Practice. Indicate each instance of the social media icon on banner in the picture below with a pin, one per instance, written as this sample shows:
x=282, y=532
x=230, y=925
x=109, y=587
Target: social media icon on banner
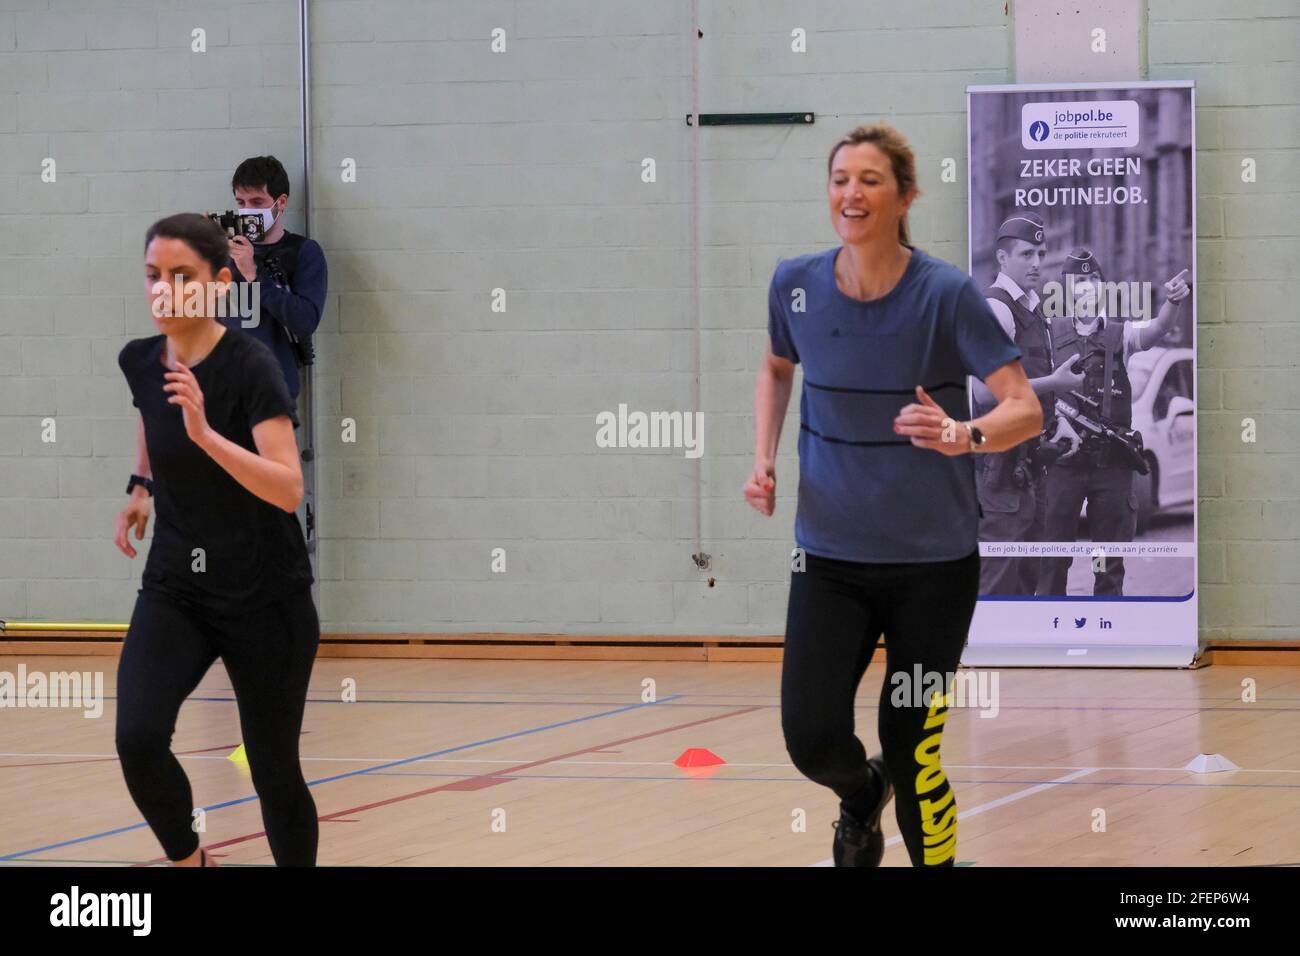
x=1080, y=621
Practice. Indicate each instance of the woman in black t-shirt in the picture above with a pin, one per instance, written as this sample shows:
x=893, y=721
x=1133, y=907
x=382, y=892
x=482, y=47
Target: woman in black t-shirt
x=227, y=574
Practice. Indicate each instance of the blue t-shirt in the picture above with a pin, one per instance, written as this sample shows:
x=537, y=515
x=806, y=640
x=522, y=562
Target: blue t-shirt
x=867, y=493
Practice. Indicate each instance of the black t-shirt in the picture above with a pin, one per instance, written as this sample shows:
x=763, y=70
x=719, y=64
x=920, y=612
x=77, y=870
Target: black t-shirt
x=253, y=551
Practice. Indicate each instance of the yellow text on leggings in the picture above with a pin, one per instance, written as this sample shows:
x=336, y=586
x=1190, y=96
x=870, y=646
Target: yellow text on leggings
x=938, y=817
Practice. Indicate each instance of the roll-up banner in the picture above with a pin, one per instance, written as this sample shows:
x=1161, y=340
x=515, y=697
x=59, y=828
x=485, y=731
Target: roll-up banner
x=1082, y=218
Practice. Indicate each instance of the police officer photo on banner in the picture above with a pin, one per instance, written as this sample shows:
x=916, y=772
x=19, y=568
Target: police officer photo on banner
x=1082, y=236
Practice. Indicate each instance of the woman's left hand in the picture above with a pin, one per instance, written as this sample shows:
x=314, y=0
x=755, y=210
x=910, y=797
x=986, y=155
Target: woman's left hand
x=187, y=394
x=929, y=426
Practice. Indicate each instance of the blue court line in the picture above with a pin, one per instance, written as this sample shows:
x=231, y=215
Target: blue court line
x=477, y=703
x=357, y=773
x=489, y=693
x=474, y=703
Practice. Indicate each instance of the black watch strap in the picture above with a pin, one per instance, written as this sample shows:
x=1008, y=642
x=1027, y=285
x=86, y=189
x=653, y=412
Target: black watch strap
x=139, y=480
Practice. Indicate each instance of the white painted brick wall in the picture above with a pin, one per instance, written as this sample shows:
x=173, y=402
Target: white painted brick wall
x=522, y=171
x=140, y=127
x=1243, y=57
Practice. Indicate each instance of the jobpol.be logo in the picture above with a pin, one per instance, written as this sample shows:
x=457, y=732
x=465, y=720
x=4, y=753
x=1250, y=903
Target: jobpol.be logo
x=1109, y=124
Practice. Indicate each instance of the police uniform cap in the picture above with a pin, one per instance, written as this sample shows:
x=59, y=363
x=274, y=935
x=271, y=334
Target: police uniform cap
x=1027, y=226
x=1081, y=262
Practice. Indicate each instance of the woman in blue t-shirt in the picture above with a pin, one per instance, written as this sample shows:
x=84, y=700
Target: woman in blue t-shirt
x=888, y=515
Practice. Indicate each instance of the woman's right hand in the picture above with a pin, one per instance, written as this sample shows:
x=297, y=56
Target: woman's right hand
x=760, y=489
x=134, y=515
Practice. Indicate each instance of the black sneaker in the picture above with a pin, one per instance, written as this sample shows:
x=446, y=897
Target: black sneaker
x=861, y=842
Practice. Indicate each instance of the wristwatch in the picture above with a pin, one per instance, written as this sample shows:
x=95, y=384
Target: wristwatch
x=976, y=436
x=140, y=480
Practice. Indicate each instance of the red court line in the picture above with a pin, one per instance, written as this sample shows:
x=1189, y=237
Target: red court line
x=494, y=777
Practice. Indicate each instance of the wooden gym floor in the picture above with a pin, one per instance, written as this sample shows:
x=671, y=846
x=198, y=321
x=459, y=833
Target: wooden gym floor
x=466, y=762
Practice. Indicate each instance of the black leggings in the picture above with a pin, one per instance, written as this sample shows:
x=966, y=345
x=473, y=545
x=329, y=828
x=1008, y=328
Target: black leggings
x=837, y=611
x=268, y=654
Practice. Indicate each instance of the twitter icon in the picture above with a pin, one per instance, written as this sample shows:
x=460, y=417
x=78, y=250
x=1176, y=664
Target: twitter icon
x=1080, y=621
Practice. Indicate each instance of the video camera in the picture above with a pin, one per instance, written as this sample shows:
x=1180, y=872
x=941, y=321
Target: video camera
x=235, y=224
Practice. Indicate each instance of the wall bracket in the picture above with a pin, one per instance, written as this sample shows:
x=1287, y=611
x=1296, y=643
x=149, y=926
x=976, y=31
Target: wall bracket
x=751, y=119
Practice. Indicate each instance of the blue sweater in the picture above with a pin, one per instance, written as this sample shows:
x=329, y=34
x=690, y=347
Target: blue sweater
x=298, y=309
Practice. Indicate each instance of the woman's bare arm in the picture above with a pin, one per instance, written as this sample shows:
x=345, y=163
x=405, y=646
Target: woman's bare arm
x=771, y=399
x=273, y=472
x=1018, y=415
x=141, y=455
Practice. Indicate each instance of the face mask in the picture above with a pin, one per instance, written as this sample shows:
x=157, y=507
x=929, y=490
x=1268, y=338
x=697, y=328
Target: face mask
x=268, y=217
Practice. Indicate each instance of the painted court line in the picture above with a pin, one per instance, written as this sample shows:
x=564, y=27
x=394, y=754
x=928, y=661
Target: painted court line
x=991, y=805
x=545, y=760
x=352, y=773
x=705, y=776
x=759, y=696
x=664, y=701
x=224, y=750
x=1191, y=707
x=223, y=755
x=483, y=781
x=717, y=775
x=1173, y=702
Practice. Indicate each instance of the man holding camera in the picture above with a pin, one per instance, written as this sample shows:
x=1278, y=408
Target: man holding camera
x=289, y=269
x=1098, y=467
